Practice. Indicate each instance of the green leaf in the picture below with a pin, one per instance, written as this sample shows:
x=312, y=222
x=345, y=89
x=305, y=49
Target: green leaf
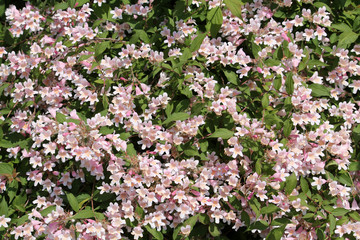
x=61, y=118
x=214, y=230
x=3, y=86
x=320, y=234
x=156, y=234
x=6, y=168
x=280, y=221
x=339, y=212
x=287, y=127
x=191, y=152
x=204, y=218
x=142, y=35
x=72, y=201
x=130, y=150
x=353, y=215
x=255, y=205
x=345, y=178
x=62, y=6
x=291, y=182
x=234, y=6
x=265, y=100
x=316, y=63
x=332, y=222
x=276, y=233
x=231, y=76
x=175, y=117
x=354, y=166
x=12, y=190
x=19, y=202
x=277, y=82
x=270, y=62
x=255, y=49
x=71, y=3
x=347, y=38
x=196, y=43
x=261, y=225
x=186, y=54
x=84, y=57
x=106, y=130
x=222, y=133
x=101, y=47
x=4, y=207
x=85, y=213
x=140, y=211
x=235, y=202
x=289, y=83
x=105, y=101
x=342, y=27
x=190, y=221
x=2, y=9
x=47, y=210
x=305, y=186
x=269, y=209
x=215, y=17
x=81, y=2
x=272, y=119
x=22, y=220
x=245, y=217
x=319, y=90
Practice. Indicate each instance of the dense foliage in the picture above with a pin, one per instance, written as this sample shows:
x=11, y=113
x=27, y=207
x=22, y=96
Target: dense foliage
x=186, y=119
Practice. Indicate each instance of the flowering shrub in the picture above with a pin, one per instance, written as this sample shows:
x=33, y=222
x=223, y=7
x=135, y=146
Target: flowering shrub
x=180, y=120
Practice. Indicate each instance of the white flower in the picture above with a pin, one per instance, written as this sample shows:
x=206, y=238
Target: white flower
x=4, y=221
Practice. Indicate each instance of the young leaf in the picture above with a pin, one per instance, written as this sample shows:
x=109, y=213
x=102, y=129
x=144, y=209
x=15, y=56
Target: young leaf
x=4, y=207
x=277, y=82
x=62, y=5
x=318, y=90
x=214, y=230
x=6, y=168
x=231, y=76
x=234, y=6
x=289, y=83
x=269, y=209
x=261, y=225
x=61, y=118
x=291, y=182
x=72, y=201
x=304, y=186
x=320, y=234
x=222, y=133
x=101, y=47
x=86, y=213
x=339, y=212
x=190, y=221
x=175, y=117
x=354, y=166
x=215, y=17
x=156, y=234
x=195, y=45
x=276, y=233
x=265, y=100
x=287, y=127
x=332, y=221
x=47, y=210
x=347, y=38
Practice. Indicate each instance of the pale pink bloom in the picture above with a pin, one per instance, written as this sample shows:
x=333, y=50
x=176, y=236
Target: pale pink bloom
x=4, y=221
x=186, y=230
x=99, y=2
